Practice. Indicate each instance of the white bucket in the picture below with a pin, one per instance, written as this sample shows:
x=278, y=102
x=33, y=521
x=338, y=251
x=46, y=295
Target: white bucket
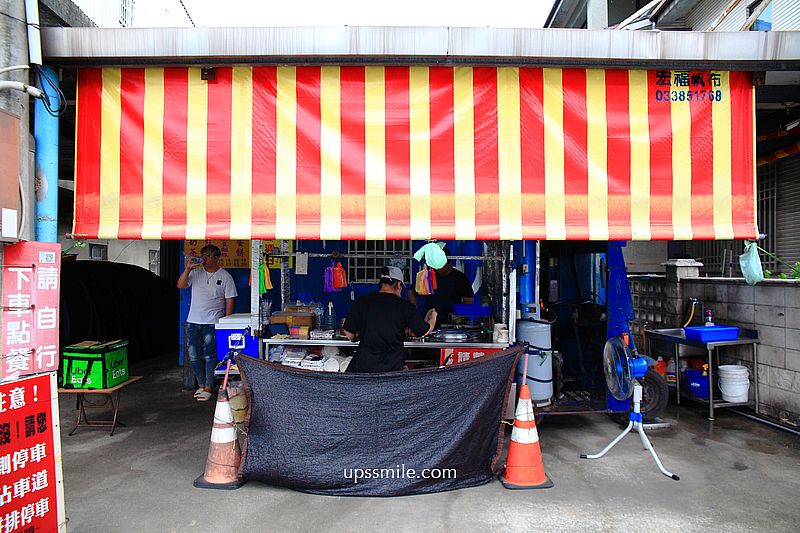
x=733, y=370
x=734, y=383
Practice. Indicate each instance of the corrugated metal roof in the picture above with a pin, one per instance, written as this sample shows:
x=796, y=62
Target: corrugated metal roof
x=705, y=13
x=785, y=15
x=350, y=44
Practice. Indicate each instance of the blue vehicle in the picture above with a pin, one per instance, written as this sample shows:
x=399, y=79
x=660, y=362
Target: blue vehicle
x=585, y=297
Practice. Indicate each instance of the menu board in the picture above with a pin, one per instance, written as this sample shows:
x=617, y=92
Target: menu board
x=235, y=254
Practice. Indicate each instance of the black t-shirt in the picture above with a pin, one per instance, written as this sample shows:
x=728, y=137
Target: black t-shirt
x=450, y=289
x=380, y=319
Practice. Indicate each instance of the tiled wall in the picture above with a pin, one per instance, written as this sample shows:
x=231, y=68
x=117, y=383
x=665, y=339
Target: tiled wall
x=771, y=307
x=655, y=304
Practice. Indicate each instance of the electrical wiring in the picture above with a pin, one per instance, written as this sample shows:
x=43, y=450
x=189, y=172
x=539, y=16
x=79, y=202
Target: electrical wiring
x=23, y=203
x=14, y=67
x=41, y=78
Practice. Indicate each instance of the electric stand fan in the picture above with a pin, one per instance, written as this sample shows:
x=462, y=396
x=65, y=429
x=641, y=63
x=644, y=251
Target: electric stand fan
x=622, y=372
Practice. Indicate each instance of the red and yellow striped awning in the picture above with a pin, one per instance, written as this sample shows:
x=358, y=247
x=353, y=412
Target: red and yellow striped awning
x=399, y=152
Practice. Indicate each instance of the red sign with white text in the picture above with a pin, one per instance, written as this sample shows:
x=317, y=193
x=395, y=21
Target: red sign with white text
x=453, y=356
x=28, y=476
x=31, y=279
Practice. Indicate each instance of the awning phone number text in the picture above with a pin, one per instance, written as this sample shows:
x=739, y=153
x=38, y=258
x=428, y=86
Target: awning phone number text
x=688, y=96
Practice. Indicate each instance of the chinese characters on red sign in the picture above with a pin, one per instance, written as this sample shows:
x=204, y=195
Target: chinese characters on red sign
x=30, y=308
x=270, y=247
x=235, y=254
x=28, y=477
x=453, y=356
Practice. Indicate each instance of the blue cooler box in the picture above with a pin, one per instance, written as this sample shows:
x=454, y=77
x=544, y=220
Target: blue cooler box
x=231, y=335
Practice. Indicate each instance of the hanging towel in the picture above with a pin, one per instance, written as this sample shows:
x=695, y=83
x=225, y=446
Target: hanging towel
x=264, y=280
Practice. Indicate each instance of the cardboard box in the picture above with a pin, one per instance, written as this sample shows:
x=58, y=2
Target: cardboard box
x=94, y=365
x=296, y=318
x=299, y=308
x=462, y=355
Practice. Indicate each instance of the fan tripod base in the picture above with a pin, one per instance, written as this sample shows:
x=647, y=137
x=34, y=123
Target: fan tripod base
x=635, y=422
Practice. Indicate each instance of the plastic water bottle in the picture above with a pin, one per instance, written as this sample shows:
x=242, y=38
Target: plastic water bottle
x=330, y=317
x=319, y=312
x=265, y=309
x=671, y=371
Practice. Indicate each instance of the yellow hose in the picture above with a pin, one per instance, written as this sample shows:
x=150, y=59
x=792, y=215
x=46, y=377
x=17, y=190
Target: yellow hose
x=691, y=315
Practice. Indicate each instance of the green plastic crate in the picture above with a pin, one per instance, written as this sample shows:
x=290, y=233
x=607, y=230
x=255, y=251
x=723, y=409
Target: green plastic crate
x=94, y=365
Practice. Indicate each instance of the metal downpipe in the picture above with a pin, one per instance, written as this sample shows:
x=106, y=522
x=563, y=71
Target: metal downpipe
x=45, y=181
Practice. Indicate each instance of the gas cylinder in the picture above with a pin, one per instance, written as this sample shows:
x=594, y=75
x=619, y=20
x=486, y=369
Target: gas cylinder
x=540, y=359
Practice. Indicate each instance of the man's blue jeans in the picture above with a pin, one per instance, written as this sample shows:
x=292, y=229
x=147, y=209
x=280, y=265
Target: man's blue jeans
x=203, y=352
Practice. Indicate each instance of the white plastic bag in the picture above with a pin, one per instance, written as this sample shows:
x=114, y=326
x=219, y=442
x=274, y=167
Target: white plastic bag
x=750, y=264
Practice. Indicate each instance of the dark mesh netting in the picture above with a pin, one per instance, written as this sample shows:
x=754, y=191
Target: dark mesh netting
x=385, y=434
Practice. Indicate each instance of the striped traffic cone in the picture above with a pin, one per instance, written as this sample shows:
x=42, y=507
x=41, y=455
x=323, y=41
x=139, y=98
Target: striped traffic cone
x=524, y=468
x=224, y=457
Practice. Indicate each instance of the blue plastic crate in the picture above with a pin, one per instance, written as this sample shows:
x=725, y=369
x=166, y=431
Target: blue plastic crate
x=472, y=310
x=712, y=333
x=696, y=383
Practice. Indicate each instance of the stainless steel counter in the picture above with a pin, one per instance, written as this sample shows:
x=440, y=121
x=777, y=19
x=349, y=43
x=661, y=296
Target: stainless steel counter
x=677, y=336
x=407, y=344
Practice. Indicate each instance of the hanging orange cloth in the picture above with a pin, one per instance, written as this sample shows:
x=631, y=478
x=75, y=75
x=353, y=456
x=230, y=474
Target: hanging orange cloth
x=264, y=280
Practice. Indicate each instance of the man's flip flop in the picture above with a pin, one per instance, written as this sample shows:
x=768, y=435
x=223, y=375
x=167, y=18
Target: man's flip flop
x=204, y=396
x=197, y=392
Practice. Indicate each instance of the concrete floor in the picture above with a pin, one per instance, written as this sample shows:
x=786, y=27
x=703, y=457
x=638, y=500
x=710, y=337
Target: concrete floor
x=736, y=475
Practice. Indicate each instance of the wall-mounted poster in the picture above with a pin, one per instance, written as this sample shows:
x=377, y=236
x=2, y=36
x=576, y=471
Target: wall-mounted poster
x=31, y=488
x=31, y=278
x=270, y=247
x=235, y=254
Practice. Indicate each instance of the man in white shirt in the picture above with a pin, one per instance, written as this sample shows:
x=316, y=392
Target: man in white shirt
x=213, y=293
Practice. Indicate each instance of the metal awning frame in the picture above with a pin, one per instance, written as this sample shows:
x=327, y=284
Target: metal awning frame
x=358, y=45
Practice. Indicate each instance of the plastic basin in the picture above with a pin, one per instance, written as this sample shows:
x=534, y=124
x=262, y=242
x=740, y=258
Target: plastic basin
x=712, y=333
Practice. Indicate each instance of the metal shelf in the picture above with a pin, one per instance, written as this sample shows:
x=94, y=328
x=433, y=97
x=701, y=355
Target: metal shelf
x=719, y=404
x=677, y=337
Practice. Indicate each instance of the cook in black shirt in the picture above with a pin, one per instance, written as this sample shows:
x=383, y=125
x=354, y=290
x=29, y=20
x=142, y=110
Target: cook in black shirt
x=452, y=287
x=379, y=321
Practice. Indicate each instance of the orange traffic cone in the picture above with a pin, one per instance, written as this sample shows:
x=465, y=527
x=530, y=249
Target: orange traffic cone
x=222, y=466
x=524, y=468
